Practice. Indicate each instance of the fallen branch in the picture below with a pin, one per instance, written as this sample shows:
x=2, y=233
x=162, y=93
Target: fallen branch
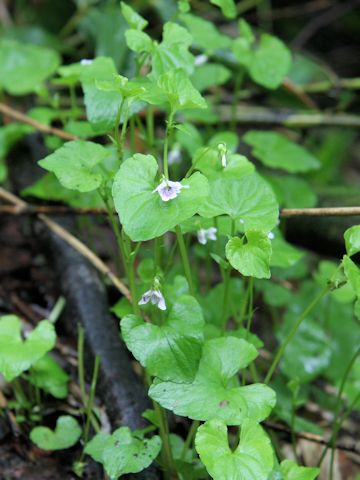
x=21, y=117
x=20, y=205
x=247, y=115
x=31, y=209
x=311, y=437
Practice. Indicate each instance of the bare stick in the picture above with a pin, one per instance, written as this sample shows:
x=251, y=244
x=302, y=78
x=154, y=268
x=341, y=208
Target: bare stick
x=21, y=117
x=24, y=208
x=311, y=437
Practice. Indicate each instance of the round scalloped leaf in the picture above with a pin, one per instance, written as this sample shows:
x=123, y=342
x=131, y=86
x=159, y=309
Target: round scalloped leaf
x=18, y=355
x=252, y=459
x=143, y=214
x=291, y=471
x=66, y=434
x=213, y=393
x=241, y=195
x=270, y=62
x=24, y=67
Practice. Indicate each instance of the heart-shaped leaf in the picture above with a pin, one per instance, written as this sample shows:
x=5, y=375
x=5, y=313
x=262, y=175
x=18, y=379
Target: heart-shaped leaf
x=250, y=257
x=213, y=393
x=244, y=196
x=171, y=351
x=123, y=452
x=75, y=165
x=133, y=19
x=228, y=7
x=276, y=151
x=48, y=375
x=252, y=459
x=16, y=355
x=352, y=240
x=143, y=214
x=66, y=434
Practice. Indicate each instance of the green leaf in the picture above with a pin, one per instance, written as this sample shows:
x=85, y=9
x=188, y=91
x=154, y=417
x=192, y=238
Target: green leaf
x=352, y=240
x=173, y=52
x=241, y=196
x=65, y=435
x=275, y=294
x=49, y=188
x=17, y=355
x=352, y=273
x=179, y=91
x=76, y=165
x=270, y=62
x=276, y=151
x=251, y=258
x=204, y=33
x=210, y=75
x=171, y=351
x=24, y=68
x=48, y=375
x=138, y=41
x=143, y=214
x=214, y=392
x=133, y=19
x=101, y=106
x=123, y=452
x=291, y=471
x=228, y=7
x=253, y=458
x=208, y=161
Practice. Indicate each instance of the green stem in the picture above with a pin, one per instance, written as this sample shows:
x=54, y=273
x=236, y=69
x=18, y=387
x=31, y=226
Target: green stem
x=117, y=232
x=117, y=134
x=81, y=370
x=332, y=441
x=250, y=307
x=189, y=438
x=185, y=259
x=166, y=144
x=90, y=402
x=57, y=310
x=150, y=127
x=293, y=331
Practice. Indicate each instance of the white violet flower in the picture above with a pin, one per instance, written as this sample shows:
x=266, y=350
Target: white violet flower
x=155, y=297
x=200, y=59
x=169, y=190
x=86, y=61
x=271, y=236
x=205, y=234
x=222, y=152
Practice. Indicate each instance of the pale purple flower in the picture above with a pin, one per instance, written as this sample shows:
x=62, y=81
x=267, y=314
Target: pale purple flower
x=201, y=59
x=169, y=190
x=205, y=234
x=86, y=61
x=271, y=236
x=155, y=297
x=241, y=220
